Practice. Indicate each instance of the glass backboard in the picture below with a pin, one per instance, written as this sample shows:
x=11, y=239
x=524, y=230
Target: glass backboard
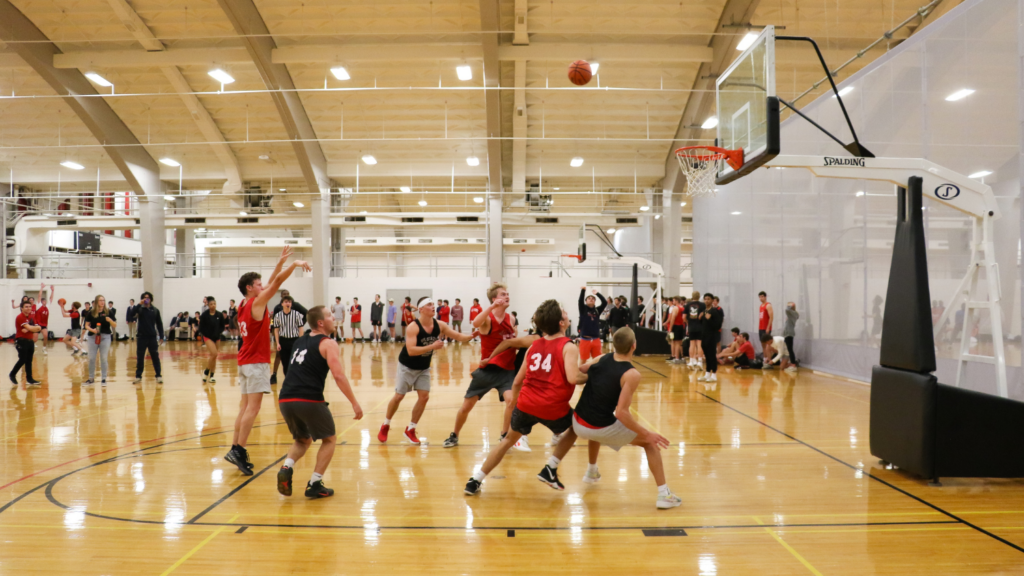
x=748, y=111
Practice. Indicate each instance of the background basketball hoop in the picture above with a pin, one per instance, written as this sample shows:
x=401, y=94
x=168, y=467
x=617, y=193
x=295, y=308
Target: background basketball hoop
x=701, y=165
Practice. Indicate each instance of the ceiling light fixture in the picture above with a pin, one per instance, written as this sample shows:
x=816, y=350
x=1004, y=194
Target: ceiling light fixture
x=611, y=230
x=221, y=76
x=576, y=162
x=746, y=41
x=710, y=123
x=340, y=73
x=369, y=159
x=645, y=208
x=282, y=189
x=243, y=213
x=473, y=161
x=844, y=91
x=169, y=198
x=860, y=193
x=681, y=204
x=422, y=202
x=72, y=165
x=97, y=79
x=478, y=199
x=405, y=189
x=736, y=213
x=364, y=212
x=298, y=204
x=959, y=95
x=657, y=216
x=980, y=174
x=557, y=188
x=170, y=162
x=464, y=72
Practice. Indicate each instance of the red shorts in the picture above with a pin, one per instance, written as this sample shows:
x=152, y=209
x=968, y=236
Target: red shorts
x=590, y=349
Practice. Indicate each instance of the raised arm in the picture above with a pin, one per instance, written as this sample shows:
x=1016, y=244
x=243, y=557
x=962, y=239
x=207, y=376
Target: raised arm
x=630, y=380
x=286, y=253
x=481, y=322
x=259, y=304
x=603, y=303
x=447, y=331
x=329, y=350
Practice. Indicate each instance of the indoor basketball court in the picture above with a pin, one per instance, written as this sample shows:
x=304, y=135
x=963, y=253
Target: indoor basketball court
x=743, y=278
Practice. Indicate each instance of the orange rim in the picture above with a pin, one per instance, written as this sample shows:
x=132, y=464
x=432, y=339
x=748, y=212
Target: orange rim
x=732, y=157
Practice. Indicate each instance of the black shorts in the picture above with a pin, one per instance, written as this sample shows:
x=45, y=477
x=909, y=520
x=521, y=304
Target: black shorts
x=374, y=322
x=678, y=333
x=490, y=377
x=523, y=422
x=308, y=419
x=694, y=333
x=391, y=324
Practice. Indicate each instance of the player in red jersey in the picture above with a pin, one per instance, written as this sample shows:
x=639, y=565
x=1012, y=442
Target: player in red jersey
x=254, y=355
x=541, y=395
x=475, y=311
x=43, y=315
x=494, y=326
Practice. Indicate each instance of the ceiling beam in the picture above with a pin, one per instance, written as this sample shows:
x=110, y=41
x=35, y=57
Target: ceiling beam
x=702, y=100
x=343, y=54
x=137, y=167
x=489, y=22
x=200, y=115
x=253, y=31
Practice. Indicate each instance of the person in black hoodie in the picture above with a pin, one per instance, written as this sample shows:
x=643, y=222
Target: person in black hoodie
x=149, y=331
x=590, y=323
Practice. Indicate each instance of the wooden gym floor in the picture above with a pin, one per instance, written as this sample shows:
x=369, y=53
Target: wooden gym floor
x=774, y=471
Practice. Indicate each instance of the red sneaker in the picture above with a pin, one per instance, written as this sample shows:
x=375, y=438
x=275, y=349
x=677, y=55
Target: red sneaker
x=383, y=434
x=411, y=435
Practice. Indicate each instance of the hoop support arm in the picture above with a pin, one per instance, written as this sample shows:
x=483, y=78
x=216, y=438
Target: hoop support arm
x=940, y=184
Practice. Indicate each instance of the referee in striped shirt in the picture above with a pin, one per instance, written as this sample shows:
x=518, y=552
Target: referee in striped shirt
x=287, y=329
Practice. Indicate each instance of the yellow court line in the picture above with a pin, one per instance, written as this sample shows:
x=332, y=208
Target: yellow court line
x=641, y=416
x=197, y=548
x=365, y=413
x=790, y=548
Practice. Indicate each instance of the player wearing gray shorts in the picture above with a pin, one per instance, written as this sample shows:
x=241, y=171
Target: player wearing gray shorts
x=422, y=337
x=602, y=414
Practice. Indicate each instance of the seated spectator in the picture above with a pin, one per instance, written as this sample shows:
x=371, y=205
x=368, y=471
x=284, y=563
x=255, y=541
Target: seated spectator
x=745, y=357
x=732, y=350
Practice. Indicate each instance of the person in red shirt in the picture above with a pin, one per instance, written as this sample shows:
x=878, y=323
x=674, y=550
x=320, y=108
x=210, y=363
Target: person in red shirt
x=474, y=311
x=407, y=315
x=541, y=394
x=495, y=325
x=444, y=312
x=25, y=341
x=74, y=335
x=355, y=313
x=43, y=315
x=254, y=354
x=765, y=315
x=745, y=352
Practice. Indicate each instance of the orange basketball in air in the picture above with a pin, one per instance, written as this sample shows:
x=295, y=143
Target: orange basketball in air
x=61, y=302
x=579, y=72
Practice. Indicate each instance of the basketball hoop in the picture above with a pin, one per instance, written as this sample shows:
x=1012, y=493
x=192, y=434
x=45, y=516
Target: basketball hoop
x=701, y=164
x=576, y=256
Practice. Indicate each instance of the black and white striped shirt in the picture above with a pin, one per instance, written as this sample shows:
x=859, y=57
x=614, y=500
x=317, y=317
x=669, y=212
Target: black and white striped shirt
x=289, y=325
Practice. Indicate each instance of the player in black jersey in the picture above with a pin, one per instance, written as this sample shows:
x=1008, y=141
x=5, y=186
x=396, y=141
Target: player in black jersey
x=422, y=337
x=212, y=324
x=302, y=401
x=602, y=414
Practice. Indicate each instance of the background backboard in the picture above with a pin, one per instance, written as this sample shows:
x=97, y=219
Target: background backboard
x=748, y=111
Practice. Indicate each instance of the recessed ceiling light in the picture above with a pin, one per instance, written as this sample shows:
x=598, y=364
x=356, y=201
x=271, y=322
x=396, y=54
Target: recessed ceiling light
x=298, y=204
x=169, y=198
x=170, y=162
x=681, y=204
x=72, y=165
x=405, y=189
x=97, y=79
x=478, y=199
x=611, y=230
x=473, y=161
x=422, y=202
x=710, y=123
x=282, y=189
x=243, y=213
x=844, y=91
x=657, y=216
x=369, y=160
x=340, y=73
x=860, y=193
x=959, y=95
x=736, y=213
x=645, y=208
x=557, y=188
x=980, y=174
x=464, y=72
x=221, y=76
x=576, y=162
x=593, y=67
x=747, y=41
x=364, y=212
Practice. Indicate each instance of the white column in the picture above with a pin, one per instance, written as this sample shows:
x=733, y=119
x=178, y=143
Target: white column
x=495, y=236
x=322, y=236
x=152, y=235
x=519, y=129
x=671, y=232
x=185, y=246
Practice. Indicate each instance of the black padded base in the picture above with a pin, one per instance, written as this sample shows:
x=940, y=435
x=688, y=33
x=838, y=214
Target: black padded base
x=978, y=435
x=902, y=425
x=651, y=342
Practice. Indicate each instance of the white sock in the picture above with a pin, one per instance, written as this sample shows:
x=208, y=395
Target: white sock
x=288, y=462
x=412, y=425
x=663, y=490
x=317, y=477
x=592, y=468
x=387, y=421
x=479, y=475
x=553, y=462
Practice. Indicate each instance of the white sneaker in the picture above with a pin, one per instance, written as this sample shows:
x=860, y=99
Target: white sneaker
x=592, y=477
x=522, y=445
x=670, y=500
x=704, y=378
x=714, y=377
x=791, y=368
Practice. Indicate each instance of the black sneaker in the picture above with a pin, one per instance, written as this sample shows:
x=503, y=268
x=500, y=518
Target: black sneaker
x=318, y=490
x=14, y=380
x=452, y=441
x=472, y=487
x=284, y=481
x=273, y=379
x=549, y=476
x=240, y=458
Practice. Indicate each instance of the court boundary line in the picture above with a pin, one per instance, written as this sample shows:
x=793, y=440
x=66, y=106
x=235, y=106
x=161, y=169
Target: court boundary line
x=852, y=467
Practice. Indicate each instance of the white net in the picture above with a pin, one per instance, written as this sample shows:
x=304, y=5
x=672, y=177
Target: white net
x=700, y=171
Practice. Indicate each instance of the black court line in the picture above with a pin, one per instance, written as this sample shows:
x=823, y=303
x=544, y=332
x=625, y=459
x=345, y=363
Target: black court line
x=511, y=533
x=665, y=532
x=235, y=490
x=852, y=467
x=242, y=529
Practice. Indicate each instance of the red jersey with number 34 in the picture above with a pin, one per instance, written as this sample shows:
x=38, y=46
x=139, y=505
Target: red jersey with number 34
x=255, y=336
x=546, y=389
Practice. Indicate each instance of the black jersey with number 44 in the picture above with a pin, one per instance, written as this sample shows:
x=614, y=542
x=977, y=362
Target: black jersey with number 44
x=308, y=371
